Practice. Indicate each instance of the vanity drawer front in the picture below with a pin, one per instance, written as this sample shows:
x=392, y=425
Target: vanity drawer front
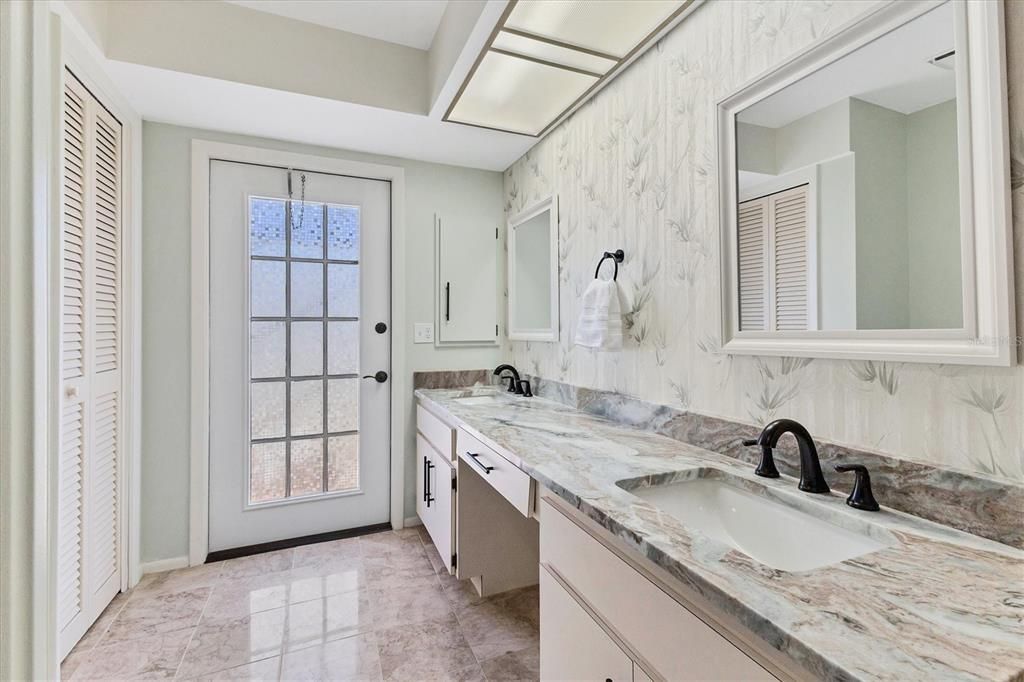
x=678, y=644
x=436, y=431
x=514, y=484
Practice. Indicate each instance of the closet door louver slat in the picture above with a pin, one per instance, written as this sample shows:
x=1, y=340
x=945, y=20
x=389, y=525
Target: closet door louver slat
x=89, y=561
x=789, y=213
x=752, y=227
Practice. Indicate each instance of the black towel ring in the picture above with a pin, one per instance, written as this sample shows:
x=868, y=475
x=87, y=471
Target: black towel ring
x=617, y=257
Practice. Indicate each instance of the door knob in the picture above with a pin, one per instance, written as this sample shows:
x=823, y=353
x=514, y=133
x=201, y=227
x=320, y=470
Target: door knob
x=380, y=377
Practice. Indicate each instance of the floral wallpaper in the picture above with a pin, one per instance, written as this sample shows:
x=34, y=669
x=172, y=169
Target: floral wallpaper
x=635, y=169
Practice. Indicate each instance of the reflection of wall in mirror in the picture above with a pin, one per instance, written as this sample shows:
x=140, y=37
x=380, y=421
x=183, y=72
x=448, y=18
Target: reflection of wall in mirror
x=533, y=273
x=888, y=214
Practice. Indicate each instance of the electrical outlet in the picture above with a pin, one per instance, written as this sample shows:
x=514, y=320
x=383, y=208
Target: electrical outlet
x=423, y=332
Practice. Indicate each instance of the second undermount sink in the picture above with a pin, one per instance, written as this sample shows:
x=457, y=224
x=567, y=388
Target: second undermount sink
x=767, y=530
x=479, y=400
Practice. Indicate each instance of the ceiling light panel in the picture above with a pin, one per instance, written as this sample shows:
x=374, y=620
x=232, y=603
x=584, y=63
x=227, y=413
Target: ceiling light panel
x=548, y=52
x=518, y=95
x=613, y=27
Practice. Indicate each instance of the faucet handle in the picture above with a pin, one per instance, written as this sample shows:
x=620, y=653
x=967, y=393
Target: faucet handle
x=861, y=496
x=766, y=467
x=525, y=384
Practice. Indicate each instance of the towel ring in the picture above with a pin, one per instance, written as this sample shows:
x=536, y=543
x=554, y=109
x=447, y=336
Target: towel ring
x=617, y=257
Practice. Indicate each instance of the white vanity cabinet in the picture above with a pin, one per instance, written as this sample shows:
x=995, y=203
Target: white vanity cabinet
x=476, y=505
x=435, y=482
x=621, y=612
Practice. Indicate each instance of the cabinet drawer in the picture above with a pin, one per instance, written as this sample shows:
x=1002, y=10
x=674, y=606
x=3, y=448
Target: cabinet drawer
x=678, y=644
x=436, y=431
x=514, y=484
x=572, y=645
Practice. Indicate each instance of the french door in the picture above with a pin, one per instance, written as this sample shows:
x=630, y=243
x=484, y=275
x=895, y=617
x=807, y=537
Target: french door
x=299, y=353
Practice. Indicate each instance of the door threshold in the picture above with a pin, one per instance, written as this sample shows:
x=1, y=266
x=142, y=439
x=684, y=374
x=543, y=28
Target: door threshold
x=264, y=547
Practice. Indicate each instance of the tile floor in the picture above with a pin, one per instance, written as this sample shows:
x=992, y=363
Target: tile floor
x=376, y=607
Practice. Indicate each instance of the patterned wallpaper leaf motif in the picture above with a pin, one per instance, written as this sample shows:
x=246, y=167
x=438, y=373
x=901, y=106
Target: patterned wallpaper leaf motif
x=635, y=169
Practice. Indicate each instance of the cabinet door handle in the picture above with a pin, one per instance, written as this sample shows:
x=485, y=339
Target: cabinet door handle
x=426, y=475
x=447, y=301
x=476, y=460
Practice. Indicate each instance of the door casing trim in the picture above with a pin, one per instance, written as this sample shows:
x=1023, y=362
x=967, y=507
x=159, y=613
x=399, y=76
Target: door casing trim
x=203, y=151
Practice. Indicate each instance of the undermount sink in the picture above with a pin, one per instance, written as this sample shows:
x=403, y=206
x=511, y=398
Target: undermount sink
x=479, y=400
x=769, y=531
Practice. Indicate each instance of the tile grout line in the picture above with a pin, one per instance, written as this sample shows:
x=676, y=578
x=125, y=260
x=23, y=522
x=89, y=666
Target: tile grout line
x=192, y=635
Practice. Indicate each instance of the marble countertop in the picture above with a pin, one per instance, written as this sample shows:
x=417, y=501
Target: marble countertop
x=937, y=604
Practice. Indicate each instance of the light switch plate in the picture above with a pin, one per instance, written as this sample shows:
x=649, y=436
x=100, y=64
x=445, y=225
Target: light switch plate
x=423, y=332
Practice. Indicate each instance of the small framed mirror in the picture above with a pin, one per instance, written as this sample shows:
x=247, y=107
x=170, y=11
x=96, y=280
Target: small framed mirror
x=865, y=194
x=533, y=273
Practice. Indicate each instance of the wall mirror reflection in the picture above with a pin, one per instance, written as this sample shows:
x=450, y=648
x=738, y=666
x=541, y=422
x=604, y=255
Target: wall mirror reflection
x=850, y=183
x=533, y=273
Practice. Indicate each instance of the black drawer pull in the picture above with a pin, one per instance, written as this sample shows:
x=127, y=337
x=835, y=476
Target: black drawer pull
x=426, y=475
x=476, y=460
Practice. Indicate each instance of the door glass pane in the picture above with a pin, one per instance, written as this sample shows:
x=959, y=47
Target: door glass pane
x=267, y=410
x=342, y=405
x=307, y=407
x=343, y=232
x=343, y=290
x=307, y=290
x=307, y=466
x=290, y=417
x=342, y=463
x=307, y=230
x=266, y=350
x=266, y=227
x=267, y=288
x=266, y=472
x=307, y=349
x=342, y=348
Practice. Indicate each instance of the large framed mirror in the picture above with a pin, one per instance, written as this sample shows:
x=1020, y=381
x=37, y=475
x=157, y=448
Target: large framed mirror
x=865, y=194
x=533, y=273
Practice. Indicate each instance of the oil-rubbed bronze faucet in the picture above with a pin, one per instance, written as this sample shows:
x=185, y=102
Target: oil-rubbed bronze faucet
x=811, y=478
x=515, y=384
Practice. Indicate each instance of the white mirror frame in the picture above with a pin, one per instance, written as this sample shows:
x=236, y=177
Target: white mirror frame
x=551, y=332
x=988, y=336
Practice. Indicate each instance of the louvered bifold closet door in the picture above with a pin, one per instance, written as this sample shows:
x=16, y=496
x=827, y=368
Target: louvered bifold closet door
x=753, y=228
x=789, y=227
x=89, y=563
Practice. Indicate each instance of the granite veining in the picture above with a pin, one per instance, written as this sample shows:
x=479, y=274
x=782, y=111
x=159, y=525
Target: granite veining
x=985, y=506
x=935, y=604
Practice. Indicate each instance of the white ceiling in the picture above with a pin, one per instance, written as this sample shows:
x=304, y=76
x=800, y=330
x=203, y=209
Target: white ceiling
x=892, y=72
x=406, y=22
x=201, y=102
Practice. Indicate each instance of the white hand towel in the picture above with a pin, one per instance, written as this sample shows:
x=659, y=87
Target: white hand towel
x=600, y=324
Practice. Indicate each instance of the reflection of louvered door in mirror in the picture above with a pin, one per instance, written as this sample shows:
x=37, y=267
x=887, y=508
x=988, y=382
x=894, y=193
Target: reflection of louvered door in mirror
x=89, y=560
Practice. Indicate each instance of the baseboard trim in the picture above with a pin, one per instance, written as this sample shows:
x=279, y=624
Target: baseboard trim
x=161, y=565
x=236, y=552
x=413, y=521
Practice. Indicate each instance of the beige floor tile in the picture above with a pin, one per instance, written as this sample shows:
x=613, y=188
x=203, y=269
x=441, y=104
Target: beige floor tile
x=148, y=615
x=427, y=651
x=266, y=670
x=519, y=665
x=460, y=593
x=151, y=657
x=418, y=601
x=390, y=542
x=348, y=548
x=352, y=658
x=222, y=644
x=179, y=580
x=257, y=564
x=71, y=662
x=95, y=633
x=396, y=570
x=327, y=619
x=434, y=557
x=500, y=625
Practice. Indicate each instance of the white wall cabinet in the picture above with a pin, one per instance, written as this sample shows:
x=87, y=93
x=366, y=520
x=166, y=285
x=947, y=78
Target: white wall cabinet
x=466, y=263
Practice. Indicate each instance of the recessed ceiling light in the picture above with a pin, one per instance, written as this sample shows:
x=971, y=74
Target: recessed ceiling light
x=546, y=57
